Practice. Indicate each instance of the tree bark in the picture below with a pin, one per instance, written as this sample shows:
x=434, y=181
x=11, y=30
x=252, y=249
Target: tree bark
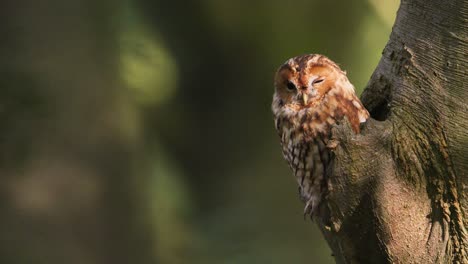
x=396, y=192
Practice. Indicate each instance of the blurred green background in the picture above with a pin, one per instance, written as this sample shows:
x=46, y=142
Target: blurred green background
x=140, y=131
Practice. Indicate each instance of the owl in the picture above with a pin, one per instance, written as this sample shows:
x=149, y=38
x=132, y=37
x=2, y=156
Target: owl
x=311, y=94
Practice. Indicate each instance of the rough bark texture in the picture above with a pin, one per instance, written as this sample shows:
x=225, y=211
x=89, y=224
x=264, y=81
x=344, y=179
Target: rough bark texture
x=397, y=189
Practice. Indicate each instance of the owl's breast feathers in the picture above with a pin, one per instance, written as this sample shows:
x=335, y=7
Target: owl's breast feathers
x=308, y=158
x=304, y=137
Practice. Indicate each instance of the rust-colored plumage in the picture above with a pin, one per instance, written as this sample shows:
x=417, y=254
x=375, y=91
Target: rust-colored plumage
x=311, y=94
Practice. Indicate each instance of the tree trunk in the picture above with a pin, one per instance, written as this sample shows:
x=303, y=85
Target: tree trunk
x=396, y=194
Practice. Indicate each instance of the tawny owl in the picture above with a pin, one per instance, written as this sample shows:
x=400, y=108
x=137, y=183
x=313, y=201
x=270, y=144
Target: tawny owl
x=311, y=94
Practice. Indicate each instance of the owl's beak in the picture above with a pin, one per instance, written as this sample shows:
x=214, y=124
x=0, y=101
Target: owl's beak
x=305, y=98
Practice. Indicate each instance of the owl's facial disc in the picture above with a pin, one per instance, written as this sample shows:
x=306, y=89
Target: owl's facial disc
x=302, y=82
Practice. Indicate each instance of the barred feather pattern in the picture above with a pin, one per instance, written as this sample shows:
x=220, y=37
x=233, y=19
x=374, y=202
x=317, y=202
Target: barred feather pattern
x=304, y=117
x=309, y=161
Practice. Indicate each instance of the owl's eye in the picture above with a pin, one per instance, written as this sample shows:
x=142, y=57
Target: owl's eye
x=317, y=81
x=290, y=86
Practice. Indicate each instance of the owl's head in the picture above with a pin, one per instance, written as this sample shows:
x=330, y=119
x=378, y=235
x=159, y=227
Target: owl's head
x=312, y=92
x=302, y=82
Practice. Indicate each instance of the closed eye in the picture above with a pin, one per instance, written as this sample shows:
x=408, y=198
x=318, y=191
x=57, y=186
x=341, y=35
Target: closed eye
x=317, y=81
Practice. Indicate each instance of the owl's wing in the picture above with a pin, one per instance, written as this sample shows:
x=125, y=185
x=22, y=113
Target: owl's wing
x=353, y=110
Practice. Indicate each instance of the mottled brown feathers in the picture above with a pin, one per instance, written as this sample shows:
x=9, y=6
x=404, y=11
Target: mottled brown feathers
x=311, y=94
